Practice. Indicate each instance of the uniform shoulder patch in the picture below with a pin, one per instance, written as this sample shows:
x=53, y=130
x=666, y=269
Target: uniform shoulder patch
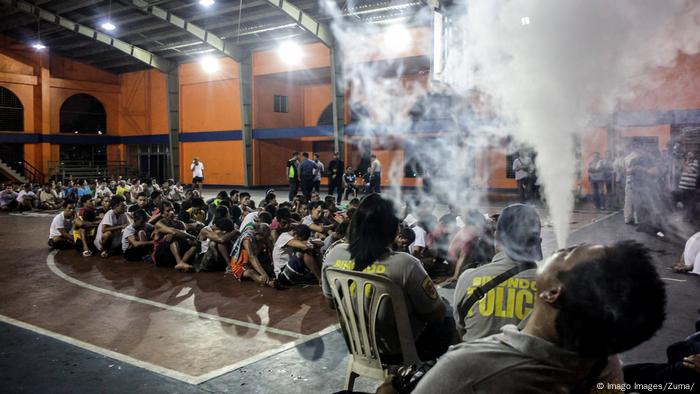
x=429, y=288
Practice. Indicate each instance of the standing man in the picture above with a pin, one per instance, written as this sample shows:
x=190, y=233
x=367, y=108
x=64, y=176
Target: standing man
x=687, y=184
x=293, y=175
x=335, y=178
x=629, y=210
x=197, y=168
x=596, y=178
x=523, y=168
x=318, y=173
x=306, y=176
x=375, y=175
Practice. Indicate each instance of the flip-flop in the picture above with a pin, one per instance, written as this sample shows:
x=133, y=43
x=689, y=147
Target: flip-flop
x=104, y=254
x=87, y=253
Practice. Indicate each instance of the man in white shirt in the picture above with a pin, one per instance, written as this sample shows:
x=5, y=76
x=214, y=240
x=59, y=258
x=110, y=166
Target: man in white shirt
x=103, y=191
x=60, y=232
x=293, y=258
x=416, y=248
x=375, y=175
x=318, y=172
x=109, y=231
x=197, y=168
x=26, y=198
x=524, y=167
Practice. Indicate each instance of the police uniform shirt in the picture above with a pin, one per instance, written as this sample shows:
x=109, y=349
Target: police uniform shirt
x=404, y=270
x=508, y=362
x=508, y=303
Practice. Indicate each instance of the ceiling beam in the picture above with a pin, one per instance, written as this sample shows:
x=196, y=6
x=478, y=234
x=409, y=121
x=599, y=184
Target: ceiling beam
x=205, y=36
x=131, y=50
x=305, y=21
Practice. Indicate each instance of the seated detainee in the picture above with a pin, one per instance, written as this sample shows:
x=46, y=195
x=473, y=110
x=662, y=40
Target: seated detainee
x=60, y=236
x=84, y=229
x=48, y=199
x=245, y=262
x=350, y=179
x=315, y=218
x=109, y=232
x=197, y=210
x=141, y=203
x=8, y=198
x=26, y=199
x=372, y=230
x=173, y=246
x=518, y=235
x=592, y=301
x=690, y=260
x=405, y=237
x=104, y=204
x=295, y=258
x=136, y=243
x=214, y=244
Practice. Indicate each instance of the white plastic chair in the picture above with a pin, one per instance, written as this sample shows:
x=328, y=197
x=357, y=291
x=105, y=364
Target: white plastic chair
x=357, y=312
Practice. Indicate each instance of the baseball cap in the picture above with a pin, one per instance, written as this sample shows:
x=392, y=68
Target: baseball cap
x=518, y=231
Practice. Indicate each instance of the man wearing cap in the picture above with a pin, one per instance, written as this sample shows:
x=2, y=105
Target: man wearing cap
x=518, y=236
x=335, y=177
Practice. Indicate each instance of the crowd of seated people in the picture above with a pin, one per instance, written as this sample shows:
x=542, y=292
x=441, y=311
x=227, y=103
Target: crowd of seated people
x=558, y=327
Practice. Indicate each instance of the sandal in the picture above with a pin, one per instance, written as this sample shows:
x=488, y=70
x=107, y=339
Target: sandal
x=104, y=254
x=87, y=253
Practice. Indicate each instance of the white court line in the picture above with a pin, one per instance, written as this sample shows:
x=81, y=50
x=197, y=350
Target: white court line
x=264, y=355
x=183, y=377
x=51, y=262
x=102, y=351
x=675, y=280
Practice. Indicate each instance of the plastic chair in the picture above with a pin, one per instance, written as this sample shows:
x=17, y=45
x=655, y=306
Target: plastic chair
x=357, y=310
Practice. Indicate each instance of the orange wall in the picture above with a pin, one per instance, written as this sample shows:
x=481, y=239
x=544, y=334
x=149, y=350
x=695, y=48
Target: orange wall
x=223, y=161
x=265, y=90
x=268, y=62
x=316, y=99
x=209, y=102
x=143, y=103
x=270, y=158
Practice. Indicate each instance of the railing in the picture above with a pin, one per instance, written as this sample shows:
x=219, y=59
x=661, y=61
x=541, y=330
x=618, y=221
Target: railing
x=32, y=173
x=80, y=169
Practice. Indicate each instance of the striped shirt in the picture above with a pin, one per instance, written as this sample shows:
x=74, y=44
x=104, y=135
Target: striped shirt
x=689, y=176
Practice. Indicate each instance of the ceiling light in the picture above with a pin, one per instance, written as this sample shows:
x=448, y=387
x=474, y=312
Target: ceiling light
x=209, y=64
x=525, y=20
x=397, y=39
x=290, y=52
x=206, y=3
x=38, y=46
x=108, y=26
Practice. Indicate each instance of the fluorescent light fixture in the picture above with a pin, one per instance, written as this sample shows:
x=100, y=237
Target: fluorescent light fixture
x=209, y=64
x=108, y=26
x=207, y=3
x=38, y=46
x=397, y=39
x=290, y=52
x=525, y=20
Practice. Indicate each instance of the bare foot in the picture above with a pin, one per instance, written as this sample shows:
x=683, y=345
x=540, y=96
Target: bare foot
x=183, y=267
x=104, y=254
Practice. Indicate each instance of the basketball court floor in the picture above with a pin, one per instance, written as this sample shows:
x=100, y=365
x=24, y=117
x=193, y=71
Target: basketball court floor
x=75, y=324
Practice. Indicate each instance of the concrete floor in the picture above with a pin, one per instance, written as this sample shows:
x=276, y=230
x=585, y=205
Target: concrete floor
x=74, y=324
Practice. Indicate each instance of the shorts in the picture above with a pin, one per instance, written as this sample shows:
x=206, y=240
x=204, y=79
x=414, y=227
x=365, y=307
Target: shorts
x=295, y=272
x=197, y=179
x=239, y=266
x=136, y=253
x=209, y=261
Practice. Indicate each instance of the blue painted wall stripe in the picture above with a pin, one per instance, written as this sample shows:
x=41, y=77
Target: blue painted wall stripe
x=620, y=119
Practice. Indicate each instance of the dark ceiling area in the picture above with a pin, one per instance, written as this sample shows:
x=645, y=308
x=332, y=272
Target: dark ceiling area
x=249, y=24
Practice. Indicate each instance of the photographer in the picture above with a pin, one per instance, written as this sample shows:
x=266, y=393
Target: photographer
x=197, y=168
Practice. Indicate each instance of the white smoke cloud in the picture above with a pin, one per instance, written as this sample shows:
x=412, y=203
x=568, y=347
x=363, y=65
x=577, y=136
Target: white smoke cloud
x=545, y=68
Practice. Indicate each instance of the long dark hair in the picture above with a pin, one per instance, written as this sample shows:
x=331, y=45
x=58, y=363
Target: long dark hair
x=372, y=230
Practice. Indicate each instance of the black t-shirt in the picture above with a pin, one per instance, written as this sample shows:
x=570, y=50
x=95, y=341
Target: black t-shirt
x=335, y=168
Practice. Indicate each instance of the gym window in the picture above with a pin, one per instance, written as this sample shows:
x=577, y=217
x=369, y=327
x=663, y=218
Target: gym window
x=510, y=174
x=11, y=111
x=281, y=104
